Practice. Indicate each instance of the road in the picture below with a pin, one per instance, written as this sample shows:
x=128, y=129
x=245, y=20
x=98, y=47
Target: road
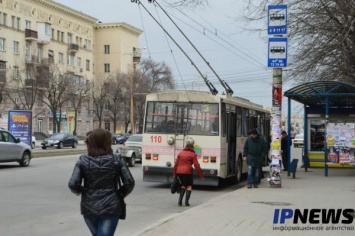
x=36, y=200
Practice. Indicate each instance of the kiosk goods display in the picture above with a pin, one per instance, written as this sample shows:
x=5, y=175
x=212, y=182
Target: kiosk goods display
x=340, y=140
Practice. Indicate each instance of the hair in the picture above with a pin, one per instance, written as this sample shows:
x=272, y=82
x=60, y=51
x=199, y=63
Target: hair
x=253, y=131
x=99, y=142
x=189, y=145
x=283, y=132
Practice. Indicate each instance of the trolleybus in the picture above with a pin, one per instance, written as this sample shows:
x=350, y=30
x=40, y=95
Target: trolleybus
x=216, y=125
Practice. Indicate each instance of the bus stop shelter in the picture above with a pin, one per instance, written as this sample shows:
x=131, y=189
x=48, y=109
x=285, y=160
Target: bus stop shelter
x=322, y=97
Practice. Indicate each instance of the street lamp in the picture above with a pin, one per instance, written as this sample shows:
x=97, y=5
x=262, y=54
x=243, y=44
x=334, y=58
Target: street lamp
x=136, y=59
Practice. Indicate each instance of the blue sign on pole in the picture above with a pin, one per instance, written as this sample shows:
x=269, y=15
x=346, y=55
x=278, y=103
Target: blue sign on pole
x=277, y=53
x=277, y=19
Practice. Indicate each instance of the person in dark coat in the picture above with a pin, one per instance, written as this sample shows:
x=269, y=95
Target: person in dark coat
x=184, y=171
x=95, y=177
x=254, y=153
x=285, y=149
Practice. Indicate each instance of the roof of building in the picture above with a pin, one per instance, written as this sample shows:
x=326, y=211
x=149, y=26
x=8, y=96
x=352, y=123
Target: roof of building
x=315, y=93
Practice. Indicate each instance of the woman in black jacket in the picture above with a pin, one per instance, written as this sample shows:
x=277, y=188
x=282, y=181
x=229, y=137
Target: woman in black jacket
x=96, y=177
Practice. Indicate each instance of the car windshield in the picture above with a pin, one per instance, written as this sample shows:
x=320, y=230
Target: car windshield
x=299, y=136
x=135, y=138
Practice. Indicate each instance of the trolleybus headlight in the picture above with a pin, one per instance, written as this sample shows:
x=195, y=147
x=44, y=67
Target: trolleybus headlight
x=190, y=141
x=205, y=159
x=213, y=159
x=168, y=163
x=171, y=140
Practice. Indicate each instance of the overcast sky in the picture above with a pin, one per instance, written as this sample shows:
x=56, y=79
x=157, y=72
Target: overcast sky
x=237, y=56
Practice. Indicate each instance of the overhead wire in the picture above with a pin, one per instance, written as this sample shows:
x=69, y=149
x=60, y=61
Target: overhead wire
x=173, y=55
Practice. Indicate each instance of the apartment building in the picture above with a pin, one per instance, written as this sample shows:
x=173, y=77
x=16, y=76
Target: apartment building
x=42, y=41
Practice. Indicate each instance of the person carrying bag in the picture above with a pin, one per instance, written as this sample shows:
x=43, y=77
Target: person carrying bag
x=96, y=177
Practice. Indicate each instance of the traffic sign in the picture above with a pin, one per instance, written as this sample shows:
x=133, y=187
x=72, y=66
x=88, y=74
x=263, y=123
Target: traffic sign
x=277, y=19
x=277, y=52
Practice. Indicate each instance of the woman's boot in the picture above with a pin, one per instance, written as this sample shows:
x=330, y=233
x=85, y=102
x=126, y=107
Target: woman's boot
x=188, y=194
x=182, y=193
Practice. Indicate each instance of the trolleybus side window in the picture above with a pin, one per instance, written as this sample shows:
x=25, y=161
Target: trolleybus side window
x=223, y=120
x=245, y=121
x=239, y=121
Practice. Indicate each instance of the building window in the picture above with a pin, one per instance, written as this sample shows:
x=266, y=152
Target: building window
x=16, y=72
x=50, y=55
x=4, y=19
x=47, y=29
x=60, y=57
x=18, y=23
x=88, y=65
x=79, y=62
x=62, y=36
x=13, y=21
x=69, y=38
x=53, y=33
x=70, y=60
x=16, y=46
x=107, y=68
x=58, y=35
x=28, y=24
x=2, y=44
x=107, y=49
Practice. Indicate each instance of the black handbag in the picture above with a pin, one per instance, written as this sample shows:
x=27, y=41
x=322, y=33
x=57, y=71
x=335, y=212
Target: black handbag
x=120, y=194
x=123, y=204
x=176, y=185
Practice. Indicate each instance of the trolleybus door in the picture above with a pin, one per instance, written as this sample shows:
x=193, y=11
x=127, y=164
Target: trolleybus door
x=231, y=142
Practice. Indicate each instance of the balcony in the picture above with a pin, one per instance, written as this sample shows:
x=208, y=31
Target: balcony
x=73, y=48
x=31, y=35
x=2, y=78
x=36, y=83
x=31, y=59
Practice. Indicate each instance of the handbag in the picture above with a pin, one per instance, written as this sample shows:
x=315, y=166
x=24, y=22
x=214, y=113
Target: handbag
x=120, y=195
x=176, y=185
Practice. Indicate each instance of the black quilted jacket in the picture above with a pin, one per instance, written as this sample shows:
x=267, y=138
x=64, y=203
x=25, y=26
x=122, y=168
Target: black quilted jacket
x=95, y=179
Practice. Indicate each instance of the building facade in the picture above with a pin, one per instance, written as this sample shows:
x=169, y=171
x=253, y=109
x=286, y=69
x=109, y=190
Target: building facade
x=42, y=41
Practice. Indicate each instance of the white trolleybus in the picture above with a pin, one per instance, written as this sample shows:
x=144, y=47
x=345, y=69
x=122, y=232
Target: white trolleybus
x=216, y=125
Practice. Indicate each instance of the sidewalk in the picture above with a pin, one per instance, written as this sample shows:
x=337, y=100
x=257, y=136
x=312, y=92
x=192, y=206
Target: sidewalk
x=251, y=211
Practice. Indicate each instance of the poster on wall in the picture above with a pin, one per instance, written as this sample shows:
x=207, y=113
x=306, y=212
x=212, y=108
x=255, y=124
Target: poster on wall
x=341, y=143
x=20, y=125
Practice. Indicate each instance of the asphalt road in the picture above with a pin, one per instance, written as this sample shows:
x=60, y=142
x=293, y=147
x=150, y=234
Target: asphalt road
x=36, y=201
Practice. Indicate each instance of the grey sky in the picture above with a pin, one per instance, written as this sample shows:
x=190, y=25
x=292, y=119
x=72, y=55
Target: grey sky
x=238, y=57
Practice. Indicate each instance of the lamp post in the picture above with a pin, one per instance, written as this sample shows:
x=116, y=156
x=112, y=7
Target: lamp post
x=136, y=59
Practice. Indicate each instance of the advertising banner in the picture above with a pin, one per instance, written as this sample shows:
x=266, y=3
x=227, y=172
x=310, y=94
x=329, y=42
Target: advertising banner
x=20, y=125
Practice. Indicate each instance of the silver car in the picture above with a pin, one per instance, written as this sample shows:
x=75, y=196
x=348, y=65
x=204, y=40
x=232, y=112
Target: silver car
x=12, y=149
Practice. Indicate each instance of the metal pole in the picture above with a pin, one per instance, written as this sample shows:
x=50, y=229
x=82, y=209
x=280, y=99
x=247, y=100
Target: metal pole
x=276, y=113
x=131, y=99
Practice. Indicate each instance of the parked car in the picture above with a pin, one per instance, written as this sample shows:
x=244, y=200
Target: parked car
x=33, y=144
x=12, y=149
x=298, y=140
x=120, y=138
x=132, y=149
x=60, y=140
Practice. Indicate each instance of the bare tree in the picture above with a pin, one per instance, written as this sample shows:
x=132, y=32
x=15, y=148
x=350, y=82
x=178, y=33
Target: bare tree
x=151, y=77
x=119, y=87
x=321, y=35
x=54, y=95
x=78, y=90
x=100, y=98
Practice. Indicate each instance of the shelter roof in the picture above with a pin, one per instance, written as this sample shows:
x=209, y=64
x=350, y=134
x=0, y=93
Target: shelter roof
x=315, y=93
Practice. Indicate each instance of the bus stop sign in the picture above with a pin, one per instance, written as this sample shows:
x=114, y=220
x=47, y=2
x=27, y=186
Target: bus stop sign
x=277, y=53
x=277, y=20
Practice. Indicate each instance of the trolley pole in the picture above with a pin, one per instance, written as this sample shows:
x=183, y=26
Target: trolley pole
x=277, y=51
